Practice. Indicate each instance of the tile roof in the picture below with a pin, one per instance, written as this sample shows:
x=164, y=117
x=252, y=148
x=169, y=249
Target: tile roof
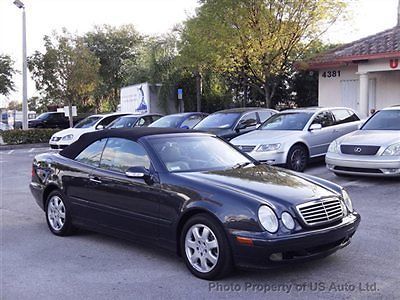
x=385, y=44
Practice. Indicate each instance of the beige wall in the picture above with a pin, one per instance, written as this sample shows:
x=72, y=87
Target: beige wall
x=387, y=88
x=387, y=83
x=329, y=88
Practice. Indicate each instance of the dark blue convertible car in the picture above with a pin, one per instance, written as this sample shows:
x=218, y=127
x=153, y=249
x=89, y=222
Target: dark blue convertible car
x=194, y=194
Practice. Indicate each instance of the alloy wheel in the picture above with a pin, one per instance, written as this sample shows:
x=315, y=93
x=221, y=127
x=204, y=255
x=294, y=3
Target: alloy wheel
x=56, y=213
x=201, y=247
x=298, y=160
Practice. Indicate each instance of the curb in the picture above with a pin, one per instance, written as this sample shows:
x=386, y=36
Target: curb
x=23, y=146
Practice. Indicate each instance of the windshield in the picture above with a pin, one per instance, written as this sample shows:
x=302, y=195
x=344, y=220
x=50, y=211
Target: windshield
x=123, y=122
x=287, y=121
x=168, y=121
x=87, y=122
x=384, y=120
x=197, y=153
x=219, y=120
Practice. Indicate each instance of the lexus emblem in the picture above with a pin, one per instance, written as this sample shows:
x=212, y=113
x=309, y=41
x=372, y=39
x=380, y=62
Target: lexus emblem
x=357, y=149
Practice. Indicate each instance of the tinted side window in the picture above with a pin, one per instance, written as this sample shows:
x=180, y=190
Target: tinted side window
x=144, y=121
x=155, y=118
x=325, y=119
x=92, y=154
x=264, y=115
x=121, y=154
x=341, y=116
x=249, y=119
x=191, y=121
x=108, y=120
x=353, y=116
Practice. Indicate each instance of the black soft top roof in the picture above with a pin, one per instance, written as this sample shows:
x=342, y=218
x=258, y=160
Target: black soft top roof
x=128, y=133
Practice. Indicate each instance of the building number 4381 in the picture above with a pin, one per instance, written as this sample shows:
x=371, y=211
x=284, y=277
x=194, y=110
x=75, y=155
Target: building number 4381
x=330, y=74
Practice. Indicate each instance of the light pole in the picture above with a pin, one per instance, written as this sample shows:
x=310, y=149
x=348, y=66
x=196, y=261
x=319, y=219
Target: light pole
x=21, y=5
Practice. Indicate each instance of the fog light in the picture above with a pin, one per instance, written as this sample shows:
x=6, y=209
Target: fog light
x=287, y=220
x=330, y=167
x=390, y=171
x=276, y=256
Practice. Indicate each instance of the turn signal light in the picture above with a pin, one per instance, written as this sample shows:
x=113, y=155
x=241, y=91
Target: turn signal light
x=244, y=241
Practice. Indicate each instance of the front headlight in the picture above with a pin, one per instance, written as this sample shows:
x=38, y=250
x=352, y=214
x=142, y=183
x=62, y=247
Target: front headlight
x=392, y=150
x=68, y=137
x=268, y=219
x=268, y=147
x=287, y=220
x=334, y=147
x=347, y=201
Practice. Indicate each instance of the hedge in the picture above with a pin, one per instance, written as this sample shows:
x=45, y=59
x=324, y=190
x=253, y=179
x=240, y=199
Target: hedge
x=31, y=136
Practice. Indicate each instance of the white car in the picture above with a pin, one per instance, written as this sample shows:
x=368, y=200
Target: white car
x=373, y=150
x=65, y=137
x=292, y=137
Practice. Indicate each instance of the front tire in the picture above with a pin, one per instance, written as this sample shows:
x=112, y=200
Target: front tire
x=205, y=248
x=297, y=158
x=58, y=216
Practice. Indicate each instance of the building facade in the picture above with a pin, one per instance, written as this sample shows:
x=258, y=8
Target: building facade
x=363, y=75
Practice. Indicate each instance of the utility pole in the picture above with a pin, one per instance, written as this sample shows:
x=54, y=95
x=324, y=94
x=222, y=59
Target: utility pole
x=21, y=5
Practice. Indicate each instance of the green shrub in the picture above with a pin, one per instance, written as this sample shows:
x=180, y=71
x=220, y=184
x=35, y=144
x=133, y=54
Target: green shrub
x=31, y=136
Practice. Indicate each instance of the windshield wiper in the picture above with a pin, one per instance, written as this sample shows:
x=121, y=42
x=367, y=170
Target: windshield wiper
x=241, y=165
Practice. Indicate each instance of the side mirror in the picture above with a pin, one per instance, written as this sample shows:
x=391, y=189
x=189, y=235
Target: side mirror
x=314, y=127
x=100, y=127
x=138, y=172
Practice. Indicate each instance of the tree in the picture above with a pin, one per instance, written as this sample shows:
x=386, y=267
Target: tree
x=67, y=71
x=259, y=40
x=113, y=47
x=7, y=72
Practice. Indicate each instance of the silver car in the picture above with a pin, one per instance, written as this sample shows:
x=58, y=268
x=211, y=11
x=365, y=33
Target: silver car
x=372, y=150
x=292, y=137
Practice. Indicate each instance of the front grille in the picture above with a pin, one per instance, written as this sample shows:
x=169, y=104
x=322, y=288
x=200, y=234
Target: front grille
x=358, y=170
x=359, y=149
x=246, y=148
x=321, y=211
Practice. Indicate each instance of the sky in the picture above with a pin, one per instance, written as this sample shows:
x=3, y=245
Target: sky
x=149, y=17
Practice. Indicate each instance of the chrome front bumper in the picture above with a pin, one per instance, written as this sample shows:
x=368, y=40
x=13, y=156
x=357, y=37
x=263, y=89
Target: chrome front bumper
x=373, y=165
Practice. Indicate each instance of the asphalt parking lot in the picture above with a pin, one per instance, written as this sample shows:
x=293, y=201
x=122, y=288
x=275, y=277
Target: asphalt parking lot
x=38, y=265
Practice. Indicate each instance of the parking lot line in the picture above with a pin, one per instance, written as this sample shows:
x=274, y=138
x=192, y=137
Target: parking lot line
x=11, y=151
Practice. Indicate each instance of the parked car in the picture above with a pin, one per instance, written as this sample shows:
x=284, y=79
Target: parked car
x=182, y=120
x=372, y=150
x=65, y=137
x=294, y=136
x=50, y=120
x=230, y=123
x=194, y=194
x=130, y=121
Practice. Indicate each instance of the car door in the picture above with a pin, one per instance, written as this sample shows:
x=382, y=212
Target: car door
x=319, y=140
x=77, y=181
x=346, y=121
x=129, y=205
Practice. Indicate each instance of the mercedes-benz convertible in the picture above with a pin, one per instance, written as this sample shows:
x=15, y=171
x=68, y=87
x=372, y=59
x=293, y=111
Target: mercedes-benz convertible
x=194, y=194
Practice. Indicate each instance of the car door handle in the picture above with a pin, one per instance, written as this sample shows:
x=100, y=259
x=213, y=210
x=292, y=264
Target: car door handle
x=94, y=179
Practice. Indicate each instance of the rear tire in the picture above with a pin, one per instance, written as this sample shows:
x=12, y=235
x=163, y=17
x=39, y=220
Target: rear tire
x=205, y=248
x=58, y=215
x=297, y=158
